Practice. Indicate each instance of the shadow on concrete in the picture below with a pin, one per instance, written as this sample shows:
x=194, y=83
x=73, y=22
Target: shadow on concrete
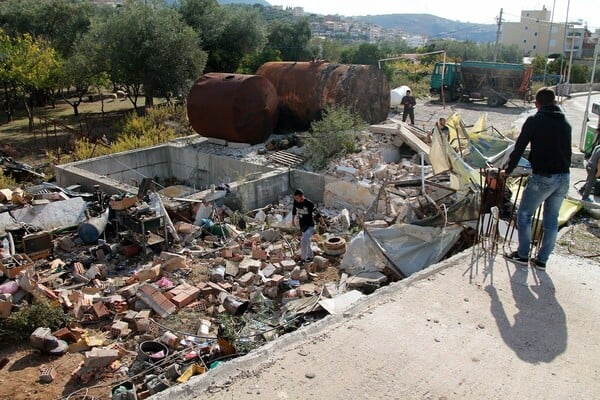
x=539, y=331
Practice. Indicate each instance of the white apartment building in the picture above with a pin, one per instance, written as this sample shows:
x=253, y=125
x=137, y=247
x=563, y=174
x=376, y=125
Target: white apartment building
x=536, y=35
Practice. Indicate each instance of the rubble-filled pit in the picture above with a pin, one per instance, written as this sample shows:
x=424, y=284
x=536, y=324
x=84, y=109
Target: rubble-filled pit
x=130, y=287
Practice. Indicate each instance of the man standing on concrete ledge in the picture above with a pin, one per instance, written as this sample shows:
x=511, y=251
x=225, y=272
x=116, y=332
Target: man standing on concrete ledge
x=549, y=134
x=409, y=103
x=306, y=211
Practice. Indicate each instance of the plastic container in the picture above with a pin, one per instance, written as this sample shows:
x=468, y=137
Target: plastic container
x=5, y=248
x=152, y=351
x=590, y=138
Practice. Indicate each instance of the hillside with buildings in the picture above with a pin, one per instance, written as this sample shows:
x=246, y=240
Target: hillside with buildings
x=434, y=27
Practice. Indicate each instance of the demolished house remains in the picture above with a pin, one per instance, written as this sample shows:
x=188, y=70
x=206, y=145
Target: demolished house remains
x=172, y=259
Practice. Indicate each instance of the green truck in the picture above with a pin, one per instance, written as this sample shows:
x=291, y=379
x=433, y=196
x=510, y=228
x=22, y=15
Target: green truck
x=478, y=80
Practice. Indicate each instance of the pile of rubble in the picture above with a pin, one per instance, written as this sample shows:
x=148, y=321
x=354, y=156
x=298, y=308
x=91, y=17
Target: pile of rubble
x=161, y=288
x=122, y=277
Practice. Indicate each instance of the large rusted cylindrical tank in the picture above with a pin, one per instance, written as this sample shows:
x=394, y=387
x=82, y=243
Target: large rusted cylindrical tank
x=234, y=107
x=305, y=88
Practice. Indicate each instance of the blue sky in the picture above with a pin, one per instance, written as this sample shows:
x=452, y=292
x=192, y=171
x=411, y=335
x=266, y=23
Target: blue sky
x=461, y=10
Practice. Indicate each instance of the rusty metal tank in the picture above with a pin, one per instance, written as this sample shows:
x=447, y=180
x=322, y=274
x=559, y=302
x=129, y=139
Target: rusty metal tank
x=234, y=107
x=305, y=88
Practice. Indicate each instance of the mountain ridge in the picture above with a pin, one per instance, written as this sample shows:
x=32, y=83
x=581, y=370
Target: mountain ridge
x=427, y=25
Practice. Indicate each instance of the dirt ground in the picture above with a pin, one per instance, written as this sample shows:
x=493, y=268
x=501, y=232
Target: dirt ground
x=19, y=378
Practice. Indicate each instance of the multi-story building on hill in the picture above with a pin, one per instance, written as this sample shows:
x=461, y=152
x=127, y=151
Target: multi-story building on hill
x=535, y=34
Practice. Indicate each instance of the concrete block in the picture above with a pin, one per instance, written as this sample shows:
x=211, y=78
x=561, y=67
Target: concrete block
x=231, y=268
x=246, y=279
x=120, y=329
x=287, y=265
x=172, y=261
x=268, y=271
x=99, y=358
x=220, y=142
x=143, y=314
x=236, y=145
x=150, y=274
x=299, y=274
x=130, y=316
x=341, y=169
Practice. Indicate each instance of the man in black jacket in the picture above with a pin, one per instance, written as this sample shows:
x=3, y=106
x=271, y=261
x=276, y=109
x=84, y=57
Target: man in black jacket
x=306, y=212
x=549, y=134
x=409, y=104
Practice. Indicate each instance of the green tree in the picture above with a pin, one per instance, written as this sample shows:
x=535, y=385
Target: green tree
x=291, y=39
x=207, y=18
x=580, y=73
x=147, y=47
x=59, y=21
x=244, y=32
x=365, y=53
x=26, y=70
x=251, y=62
x=325, y=49
x=538, y=63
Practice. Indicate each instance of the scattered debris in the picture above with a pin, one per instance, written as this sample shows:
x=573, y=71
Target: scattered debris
x=161, y=285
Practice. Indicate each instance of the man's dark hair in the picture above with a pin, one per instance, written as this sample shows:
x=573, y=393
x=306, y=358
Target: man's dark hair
x=408, y=91
x=298, y=192
x=544, y=96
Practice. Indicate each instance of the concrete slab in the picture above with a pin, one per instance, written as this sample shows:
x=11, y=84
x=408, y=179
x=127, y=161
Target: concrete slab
x=469, y=327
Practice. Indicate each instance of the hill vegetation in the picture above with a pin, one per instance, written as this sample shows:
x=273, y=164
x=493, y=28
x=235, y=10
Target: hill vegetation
x=435, y=27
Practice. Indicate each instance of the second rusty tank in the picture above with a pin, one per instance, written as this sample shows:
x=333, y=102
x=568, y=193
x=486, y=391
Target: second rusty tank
x=234, y=107
x=306, y=88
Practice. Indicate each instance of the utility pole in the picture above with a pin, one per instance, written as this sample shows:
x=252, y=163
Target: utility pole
x=549, y=40
x=498, y=32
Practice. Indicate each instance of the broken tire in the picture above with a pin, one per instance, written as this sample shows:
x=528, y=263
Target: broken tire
x=335, y=246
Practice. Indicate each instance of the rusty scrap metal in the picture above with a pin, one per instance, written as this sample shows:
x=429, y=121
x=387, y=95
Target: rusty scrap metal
x=306, y=88
x=239, y=108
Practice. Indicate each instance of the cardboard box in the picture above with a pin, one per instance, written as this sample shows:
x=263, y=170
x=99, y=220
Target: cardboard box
x=11, y=266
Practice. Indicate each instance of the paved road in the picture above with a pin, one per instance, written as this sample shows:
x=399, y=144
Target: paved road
x=575, y=110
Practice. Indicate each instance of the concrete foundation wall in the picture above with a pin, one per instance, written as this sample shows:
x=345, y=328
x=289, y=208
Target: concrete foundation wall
x=312, y=184
x=268, y=188
x=121, y=170
x=252, y=186
x=201, y=170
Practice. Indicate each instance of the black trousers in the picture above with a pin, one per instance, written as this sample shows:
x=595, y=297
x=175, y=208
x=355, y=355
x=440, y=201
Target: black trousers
x=409, y=112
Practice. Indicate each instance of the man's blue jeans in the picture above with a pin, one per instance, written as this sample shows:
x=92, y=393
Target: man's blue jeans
x=305, y=250
x=550, y=190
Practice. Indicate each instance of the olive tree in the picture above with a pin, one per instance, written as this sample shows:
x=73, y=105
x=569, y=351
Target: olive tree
x=147, y=48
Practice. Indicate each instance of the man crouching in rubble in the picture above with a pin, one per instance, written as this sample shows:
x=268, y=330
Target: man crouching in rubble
x=306, y=211
x=549, y=133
